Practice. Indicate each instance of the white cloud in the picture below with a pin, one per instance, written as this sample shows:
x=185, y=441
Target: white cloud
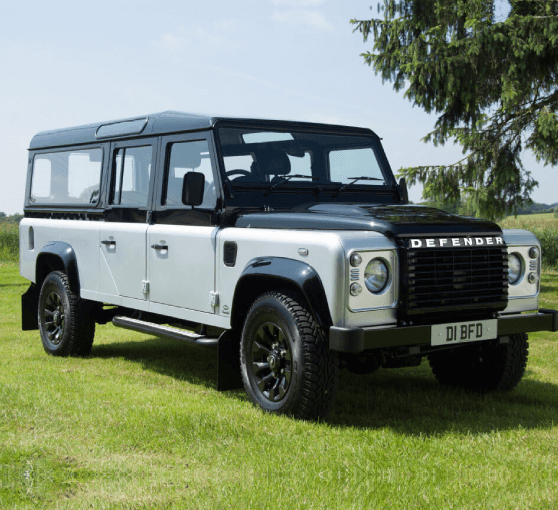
x=309, y=17
x=299, y=3
x=221, y=34
x=171, y=43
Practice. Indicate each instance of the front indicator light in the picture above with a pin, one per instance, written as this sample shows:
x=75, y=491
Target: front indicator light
x=356, y=289
x=356, y=260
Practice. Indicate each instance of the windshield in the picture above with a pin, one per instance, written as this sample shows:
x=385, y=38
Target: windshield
x=263, y=157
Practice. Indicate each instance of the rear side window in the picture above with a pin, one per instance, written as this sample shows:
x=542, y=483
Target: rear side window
x=67, y=177
x=131, y=174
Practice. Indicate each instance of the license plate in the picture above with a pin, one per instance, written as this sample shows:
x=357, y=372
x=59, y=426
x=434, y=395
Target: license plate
x=460, y=332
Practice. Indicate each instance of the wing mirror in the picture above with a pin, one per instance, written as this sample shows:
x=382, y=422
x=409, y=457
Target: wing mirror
x=403, y=193
x=193, y=188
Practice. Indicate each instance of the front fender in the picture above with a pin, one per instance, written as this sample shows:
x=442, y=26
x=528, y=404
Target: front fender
x=294, y=273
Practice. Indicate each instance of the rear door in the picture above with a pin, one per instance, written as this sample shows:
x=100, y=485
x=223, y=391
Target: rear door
x=123, y=270
x=182, y=240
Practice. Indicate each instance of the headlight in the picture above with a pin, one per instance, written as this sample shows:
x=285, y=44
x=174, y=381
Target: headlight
x=515, y=268
x=376, y=275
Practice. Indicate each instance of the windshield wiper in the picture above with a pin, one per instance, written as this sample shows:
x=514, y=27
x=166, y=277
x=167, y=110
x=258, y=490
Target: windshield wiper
x=355, y=179
x=286, y=180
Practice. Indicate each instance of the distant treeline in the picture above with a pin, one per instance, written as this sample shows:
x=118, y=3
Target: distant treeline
x=456, y=207
x=14, y=218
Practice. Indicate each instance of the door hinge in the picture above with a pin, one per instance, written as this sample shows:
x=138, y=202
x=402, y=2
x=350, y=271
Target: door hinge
x=214, y=299
x=145, y=286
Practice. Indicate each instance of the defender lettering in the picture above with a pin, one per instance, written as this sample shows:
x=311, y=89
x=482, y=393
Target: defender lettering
x=444, y=242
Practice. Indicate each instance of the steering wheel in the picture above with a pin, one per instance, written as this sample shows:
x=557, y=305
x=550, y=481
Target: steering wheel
x=238, y=172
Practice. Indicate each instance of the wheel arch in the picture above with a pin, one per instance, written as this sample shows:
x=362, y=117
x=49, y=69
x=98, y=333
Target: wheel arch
x=57, y=256
x=264, y=274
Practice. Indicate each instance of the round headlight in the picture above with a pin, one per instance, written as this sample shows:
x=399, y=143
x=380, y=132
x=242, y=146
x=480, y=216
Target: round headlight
x=515, y=268
x=376, y=275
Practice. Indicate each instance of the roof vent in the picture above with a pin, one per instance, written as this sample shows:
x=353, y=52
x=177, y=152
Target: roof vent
x=128, y=127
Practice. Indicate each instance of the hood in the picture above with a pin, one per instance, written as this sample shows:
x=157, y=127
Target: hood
x=391, y=220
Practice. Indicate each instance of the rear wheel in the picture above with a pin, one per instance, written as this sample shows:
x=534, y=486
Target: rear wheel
x=287, y=367
x=67, y=328
x=488, y=366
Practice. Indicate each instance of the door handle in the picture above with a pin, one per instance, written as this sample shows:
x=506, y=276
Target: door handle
x=108, y=242
x=159, y=247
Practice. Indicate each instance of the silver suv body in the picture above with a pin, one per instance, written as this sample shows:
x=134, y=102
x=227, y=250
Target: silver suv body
x=288, y=247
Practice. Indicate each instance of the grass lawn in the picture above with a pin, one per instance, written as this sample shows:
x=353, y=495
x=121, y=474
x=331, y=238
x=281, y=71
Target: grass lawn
x=139, y=424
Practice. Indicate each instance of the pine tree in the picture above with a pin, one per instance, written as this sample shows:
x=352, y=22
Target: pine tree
x=491, y=79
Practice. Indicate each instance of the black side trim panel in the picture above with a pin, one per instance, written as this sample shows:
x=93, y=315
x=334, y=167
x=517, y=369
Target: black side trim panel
x=29, y=308
x=66, y=255
x=303, y=276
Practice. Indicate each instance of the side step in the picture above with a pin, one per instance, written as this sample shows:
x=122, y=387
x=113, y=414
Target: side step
x=151, y=328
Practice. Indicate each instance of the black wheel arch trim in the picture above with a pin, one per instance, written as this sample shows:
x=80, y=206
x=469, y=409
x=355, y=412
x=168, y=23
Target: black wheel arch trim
x=68, y=259
x=293, y=272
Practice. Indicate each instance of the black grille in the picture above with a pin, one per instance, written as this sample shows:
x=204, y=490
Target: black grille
x=460, y=279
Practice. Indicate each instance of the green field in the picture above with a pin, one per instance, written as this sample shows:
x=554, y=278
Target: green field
x=545, y=227
x=9, y=241
x=139, y=424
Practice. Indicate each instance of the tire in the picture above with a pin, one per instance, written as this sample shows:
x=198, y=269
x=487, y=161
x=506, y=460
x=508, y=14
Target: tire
x=67, y=328
x=484, y=367
x=286, y=364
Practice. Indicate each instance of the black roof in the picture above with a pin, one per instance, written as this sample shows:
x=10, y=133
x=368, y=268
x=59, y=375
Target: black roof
x=159, y=123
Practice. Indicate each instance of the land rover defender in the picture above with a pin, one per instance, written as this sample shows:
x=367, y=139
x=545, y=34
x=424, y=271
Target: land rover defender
x=288, y=247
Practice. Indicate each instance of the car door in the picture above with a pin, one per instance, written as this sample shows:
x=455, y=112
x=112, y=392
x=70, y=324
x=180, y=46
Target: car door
x=182, y=239
x=123, y=264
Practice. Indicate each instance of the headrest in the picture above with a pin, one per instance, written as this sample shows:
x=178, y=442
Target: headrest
x=273, y=162
x=186, y=155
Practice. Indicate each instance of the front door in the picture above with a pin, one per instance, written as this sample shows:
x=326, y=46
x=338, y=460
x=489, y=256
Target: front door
x=182, y=241
x=123, y=236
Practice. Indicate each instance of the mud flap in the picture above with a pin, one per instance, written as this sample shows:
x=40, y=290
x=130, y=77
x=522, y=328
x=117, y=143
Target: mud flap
x=228, y=363
x=29, y=309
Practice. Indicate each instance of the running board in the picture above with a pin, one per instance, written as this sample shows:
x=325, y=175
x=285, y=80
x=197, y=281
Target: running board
x=151, y=328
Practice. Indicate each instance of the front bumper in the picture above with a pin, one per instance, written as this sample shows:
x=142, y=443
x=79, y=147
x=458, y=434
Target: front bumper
x=357, y=340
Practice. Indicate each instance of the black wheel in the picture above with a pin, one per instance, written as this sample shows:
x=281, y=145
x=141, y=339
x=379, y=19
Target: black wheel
x=286, y=364
x=67, y=328
x=488, y=366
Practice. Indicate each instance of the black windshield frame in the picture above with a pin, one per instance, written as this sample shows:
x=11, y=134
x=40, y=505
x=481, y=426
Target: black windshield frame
x=321, y=141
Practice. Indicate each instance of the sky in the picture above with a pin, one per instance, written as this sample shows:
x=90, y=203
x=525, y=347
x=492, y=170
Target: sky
x=70, y=63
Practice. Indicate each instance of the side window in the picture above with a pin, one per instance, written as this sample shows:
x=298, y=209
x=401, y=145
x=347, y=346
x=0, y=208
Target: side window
x=67, y=177
x=131, y=171
x=188, y=157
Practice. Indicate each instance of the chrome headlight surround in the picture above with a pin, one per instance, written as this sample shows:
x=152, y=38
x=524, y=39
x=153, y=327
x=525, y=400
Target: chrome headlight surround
x=528, y=284
x=375, y=295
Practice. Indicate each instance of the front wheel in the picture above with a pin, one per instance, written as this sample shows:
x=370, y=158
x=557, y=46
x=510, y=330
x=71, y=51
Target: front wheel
x=286, y=364
x=488, y=366
x=66, y=326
